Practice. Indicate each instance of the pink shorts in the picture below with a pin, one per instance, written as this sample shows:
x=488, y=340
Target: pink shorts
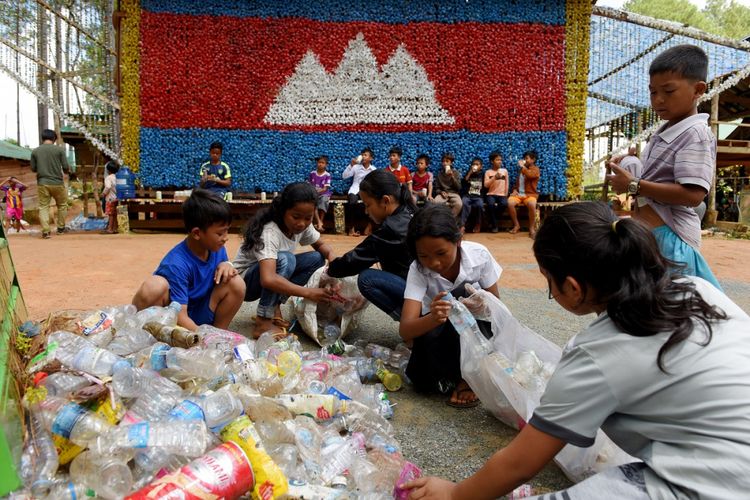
x=14, y=213
x=111, y=208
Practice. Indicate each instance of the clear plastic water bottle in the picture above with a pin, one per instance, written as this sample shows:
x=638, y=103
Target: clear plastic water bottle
x=108, y=473
x=153, y=357
x=78, y=353
x=188, y=438
x=465, y=324
x=337, y=455
x=45, y=458
x=203, y=363
x=62, y=384
x=129, y=382
x=220, y=408
x=331, y=333
x=70, y=420
x=69, y=490
x=129, y=340
x=378, y=352
x=164, y=315
x=123, y=316
x=152, y=405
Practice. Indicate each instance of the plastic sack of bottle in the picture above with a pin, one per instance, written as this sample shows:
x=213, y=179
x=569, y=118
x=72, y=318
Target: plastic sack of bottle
x=509, y=374
x=344, y=312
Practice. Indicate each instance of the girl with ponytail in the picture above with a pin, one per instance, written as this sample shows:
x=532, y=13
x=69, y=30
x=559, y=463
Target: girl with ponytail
x=391, y=206
x=663, y=370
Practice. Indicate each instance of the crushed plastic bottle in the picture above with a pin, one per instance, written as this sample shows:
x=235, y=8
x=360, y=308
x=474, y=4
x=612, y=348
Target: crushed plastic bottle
x=164, y=315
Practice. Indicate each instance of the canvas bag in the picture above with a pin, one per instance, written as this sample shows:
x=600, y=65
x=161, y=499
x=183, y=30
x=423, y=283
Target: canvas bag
x=347, y=315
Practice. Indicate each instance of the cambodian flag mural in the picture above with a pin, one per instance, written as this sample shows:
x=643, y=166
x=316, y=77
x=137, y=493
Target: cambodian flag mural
x=280, y=83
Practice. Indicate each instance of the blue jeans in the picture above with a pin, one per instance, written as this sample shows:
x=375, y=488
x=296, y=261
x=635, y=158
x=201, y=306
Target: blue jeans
x=296, y=268
x=495, y=206
x=470, y=203
x=384, y=289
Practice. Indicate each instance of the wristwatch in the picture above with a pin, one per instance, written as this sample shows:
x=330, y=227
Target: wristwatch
x=634, y=186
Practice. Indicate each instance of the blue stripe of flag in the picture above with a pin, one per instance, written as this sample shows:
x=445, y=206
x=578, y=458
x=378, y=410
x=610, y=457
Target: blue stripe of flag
x=267, y=160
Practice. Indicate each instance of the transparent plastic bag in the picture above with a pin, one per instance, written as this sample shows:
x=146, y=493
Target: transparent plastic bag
x=488, y=367
x=345, y=312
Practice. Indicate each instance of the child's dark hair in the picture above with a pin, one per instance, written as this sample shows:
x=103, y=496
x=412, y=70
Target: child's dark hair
x=436, y=221
x=381, y=183
x=688, y=61
x=531, y=153
x=216, y=145
x=620, y=262
x=49, y=135
x=296, y=192
x=112, y=167
x=425, y=158
x=367, y=150
x=203, y=209
x=476, y=159
x=395, y=149
x=449, y=157
x=495, y=154
x=321, y=158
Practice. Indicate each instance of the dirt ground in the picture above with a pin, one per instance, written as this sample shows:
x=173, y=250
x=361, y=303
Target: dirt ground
x=86, y=270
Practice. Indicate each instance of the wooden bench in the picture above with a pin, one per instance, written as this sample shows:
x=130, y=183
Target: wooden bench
x=148, y=213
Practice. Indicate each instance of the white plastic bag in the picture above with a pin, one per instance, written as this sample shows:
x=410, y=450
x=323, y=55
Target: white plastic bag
x=488, y=367
x=346, y=314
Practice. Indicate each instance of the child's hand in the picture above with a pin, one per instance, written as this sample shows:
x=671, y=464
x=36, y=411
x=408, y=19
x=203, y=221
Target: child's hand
x=224, y=272
x=319, y=295
x=619, y=179
x=440, y=308
x=430, y=198
x=475, y=303
x=430, y=488
x=521, y=163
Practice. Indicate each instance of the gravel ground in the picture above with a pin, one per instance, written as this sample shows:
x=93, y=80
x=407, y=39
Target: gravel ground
x=453, y=443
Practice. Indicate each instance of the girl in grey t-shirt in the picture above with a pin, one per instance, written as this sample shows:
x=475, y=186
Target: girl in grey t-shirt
x=664, y=371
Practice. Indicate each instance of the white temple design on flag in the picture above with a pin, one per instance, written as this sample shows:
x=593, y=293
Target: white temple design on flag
x=358, y=92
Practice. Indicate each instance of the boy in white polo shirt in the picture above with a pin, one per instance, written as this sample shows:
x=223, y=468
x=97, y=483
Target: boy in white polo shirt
x=678, y=162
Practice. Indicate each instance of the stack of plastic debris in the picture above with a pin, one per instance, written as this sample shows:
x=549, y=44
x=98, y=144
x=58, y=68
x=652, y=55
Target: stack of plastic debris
x=132, y=406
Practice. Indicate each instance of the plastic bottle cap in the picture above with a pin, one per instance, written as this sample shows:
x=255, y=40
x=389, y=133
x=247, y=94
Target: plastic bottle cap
x=39, y=377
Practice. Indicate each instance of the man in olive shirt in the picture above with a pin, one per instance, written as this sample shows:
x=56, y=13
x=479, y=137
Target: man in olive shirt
x=49, y=163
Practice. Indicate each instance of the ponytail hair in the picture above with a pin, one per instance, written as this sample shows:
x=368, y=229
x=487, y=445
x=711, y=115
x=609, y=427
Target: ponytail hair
x=436, y=221
x=381, y=183
x=297, y=192
x=619, y=260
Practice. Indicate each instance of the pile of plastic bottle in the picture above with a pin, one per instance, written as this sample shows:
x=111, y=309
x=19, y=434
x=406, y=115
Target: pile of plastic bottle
x=133, y=406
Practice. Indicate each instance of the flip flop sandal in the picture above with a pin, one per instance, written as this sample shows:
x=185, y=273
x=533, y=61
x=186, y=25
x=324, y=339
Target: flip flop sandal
x=467, y=404
x=514, y=230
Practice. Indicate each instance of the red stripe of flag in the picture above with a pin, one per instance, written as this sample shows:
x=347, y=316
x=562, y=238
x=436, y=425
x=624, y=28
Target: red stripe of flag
x=225, y=72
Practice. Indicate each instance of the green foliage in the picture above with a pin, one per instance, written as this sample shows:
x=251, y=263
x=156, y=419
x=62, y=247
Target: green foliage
x=721, y=17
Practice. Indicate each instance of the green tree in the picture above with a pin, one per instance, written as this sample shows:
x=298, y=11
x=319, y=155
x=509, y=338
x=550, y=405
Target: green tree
x=721, y=17
x=732, y=18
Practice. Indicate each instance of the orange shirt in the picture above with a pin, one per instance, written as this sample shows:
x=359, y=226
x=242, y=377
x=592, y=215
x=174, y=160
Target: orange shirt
x=401, y=173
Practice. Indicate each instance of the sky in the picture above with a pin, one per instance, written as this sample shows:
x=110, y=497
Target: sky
x=29, y=133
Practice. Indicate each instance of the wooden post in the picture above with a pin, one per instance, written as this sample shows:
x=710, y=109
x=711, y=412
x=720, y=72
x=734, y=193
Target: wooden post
x=711, y=213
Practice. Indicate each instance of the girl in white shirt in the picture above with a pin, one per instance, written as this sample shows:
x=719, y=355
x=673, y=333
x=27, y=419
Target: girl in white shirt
x=267, y=262
x=444, y=264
